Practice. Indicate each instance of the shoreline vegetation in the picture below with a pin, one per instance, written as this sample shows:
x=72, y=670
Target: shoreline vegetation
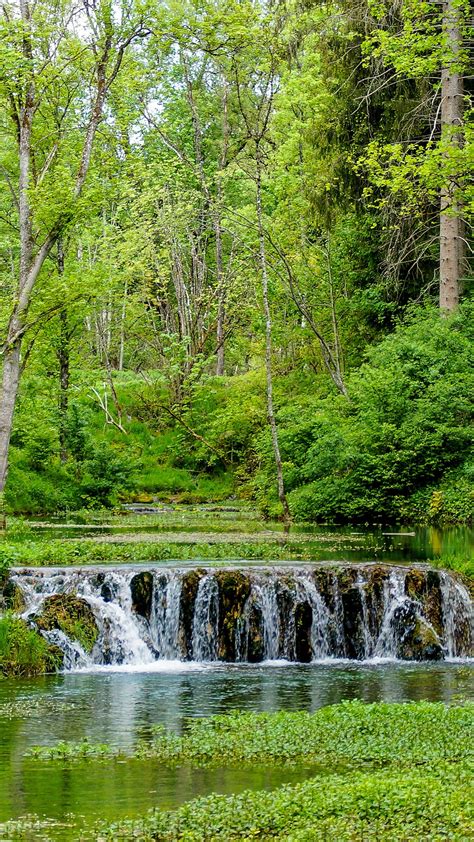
x=380, y=770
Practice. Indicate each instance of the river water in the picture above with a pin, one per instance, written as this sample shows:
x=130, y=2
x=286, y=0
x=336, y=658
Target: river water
x=118, y=704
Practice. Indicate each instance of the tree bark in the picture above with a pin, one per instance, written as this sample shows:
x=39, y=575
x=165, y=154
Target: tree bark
x=63, y=360
x=452, y=248
x=31, y=260
x=268, y=346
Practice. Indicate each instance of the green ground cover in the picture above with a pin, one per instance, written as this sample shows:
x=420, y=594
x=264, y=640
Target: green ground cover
x=401, y=771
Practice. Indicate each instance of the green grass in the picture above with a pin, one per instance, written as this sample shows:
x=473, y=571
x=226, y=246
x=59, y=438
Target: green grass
x=24, y=651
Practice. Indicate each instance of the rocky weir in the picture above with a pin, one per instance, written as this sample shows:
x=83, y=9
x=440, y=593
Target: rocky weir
x=104, y=616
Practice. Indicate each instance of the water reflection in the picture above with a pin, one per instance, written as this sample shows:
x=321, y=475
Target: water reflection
x=119, y=707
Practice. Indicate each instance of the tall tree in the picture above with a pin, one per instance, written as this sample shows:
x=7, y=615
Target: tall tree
x=42, y=51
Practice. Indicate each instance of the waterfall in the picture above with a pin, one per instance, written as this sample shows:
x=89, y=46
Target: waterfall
x=164, y=620
x=206, y=620
x=304, y=613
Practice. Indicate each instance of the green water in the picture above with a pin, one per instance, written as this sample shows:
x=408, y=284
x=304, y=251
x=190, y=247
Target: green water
x=118, y=707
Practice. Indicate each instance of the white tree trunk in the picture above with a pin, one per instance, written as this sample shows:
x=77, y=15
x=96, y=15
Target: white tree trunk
x=452, y=250
x=268, y=349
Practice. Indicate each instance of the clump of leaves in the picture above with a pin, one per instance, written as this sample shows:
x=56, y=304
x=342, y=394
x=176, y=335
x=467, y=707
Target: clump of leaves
x=23, y=651
x=64, y=750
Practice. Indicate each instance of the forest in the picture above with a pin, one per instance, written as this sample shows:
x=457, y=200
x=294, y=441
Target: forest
x=234, y=258
x=236, y=420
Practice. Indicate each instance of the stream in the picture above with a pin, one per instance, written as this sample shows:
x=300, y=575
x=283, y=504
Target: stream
x=185, y=640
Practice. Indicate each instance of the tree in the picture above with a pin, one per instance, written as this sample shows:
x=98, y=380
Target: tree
x=55, y=85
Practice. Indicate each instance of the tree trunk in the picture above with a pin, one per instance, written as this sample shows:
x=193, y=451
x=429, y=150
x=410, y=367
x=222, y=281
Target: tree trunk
x=268, y=348
x=63, y=359
x=452, y=249
x=10, y=381
x=221, y=298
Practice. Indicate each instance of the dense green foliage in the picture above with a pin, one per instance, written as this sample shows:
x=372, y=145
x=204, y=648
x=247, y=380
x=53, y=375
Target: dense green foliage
x=23, y=651
x=349, y=732
x=353, y=798
x=308, y=138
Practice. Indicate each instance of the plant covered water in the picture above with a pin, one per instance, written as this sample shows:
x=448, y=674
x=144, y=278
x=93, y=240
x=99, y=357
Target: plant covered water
x=119, y=708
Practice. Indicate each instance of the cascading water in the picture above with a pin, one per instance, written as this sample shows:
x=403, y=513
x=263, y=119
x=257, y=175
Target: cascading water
x=250, y=614
x=206, y=620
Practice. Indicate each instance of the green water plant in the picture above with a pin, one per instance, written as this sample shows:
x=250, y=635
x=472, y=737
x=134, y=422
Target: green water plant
x=64, y=750
x=351, y=732
x=389, y=805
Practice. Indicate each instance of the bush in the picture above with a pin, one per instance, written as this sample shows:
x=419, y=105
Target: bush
x=405, y=433
x=23, y=651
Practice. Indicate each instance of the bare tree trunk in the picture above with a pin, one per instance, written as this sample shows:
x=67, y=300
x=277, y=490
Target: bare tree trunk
x=268, y=346
x=220, y=368
x=63, y=359
x=452, y=249
x=10, y=381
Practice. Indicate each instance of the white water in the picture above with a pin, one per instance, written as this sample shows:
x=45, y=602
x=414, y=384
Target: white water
x=367, y=627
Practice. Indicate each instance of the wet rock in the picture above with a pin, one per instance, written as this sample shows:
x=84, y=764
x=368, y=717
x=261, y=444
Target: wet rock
x=72, y=615
x=234, y=590
x=375, y=598
x=415, y=583
x=141, y=587
x=353, y=623
x=303, y=622
x=189, y=589
x=417, y=639
x=433, y=603
x=255, y=637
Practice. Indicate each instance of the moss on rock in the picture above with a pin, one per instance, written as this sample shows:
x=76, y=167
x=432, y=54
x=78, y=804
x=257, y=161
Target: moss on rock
x=234, y=590
x=24, y=651
x=72, y=615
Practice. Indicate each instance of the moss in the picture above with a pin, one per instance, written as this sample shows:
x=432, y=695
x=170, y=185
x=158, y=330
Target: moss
x=72, y=615
x=24, y=651
x=415, y=583
x=189, y=589
x=234, y=590
x=141, y=587
x=11, y=596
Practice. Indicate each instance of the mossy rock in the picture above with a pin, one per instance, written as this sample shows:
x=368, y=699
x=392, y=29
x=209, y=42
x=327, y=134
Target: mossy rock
x=234, y=590
x=11, y=597
x=24, y=651
x=141, y=587
x=189, y=589
x=415, y=583
x=72, y=615
x=324, y=581
x=418, y=640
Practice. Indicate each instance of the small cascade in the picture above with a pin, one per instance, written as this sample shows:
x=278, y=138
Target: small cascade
x=164, y=619
x=206, y=620
x=256, y=614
